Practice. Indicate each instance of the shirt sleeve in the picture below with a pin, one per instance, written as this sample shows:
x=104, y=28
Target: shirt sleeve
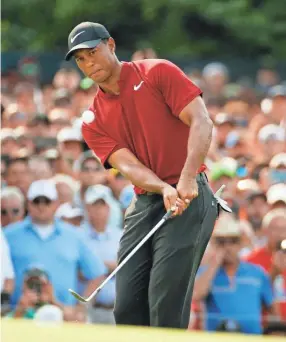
x=90, y=264
x=6, y=262
x=266, y=288
x=177, y=89
x=102, y=145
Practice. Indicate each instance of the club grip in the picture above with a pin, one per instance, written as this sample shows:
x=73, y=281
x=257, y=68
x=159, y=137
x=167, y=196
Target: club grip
x=168, y=215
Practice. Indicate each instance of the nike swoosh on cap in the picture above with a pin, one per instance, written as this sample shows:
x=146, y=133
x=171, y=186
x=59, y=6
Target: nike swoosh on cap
x=73, y=38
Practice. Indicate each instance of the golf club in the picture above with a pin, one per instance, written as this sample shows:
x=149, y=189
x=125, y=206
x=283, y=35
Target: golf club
x=124, y=261
x=141, y=243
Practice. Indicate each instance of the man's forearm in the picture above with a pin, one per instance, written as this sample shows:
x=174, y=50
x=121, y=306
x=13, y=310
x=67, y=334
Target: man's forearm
x=139, y=175
x=198, y=145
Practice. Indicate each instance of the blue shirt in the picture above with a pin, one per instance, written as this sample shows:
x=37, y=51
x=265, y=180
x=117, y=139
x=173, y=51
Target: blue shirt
x=240, y=299
x=105, y=245
x=61, y=255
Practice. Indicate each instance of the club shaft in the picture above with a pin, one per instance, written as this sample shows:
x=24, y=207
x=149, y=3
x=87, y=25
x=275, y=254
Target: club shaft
x=124, y=261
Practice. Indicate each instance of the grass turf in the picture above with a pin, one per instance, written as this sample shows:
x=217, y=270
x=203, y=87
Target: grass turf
x=30, y=331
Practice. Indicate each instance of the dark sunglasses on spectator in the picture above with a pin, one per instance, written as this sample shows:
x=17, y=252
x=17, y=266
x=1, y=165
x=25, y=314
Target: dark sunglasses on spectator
x=221, y=241
x=13, y=211
x=41, y=200
x=90, y=169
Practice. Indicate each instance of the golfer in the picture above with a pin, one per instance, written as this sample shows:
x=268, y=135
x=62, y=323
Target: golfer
x=148, y=120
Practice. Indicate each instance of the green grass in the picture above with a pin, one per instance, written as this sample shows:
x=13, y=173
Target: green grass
x=30, y=331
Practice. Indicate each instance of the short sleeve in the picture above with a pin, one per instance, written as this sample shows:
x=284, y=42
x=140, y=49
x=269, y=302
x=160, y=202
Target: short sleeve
x=102, y=145
x=266, y=288
x=177, y=89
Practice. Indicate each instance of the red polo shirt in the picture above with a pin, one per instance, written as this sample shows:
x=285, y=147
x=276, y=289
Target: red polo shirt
x=144, y=117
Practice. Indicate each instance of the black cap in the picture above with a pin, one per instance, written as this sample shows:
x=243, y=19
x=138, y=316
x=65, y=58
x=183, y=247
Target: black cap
x=86, y=35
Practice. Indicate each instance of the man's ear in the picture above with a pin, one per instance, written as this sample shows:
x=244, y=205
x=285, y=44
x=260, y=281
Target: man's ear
x=111, y=45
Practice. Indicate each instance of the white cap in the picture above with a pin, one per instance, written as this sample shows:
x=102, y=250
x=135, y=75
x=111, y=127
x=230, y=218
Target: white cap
x=271, y=132
x=67, y=210
x=226, y=226
x=43, y=187
x=69, y=134
x=276, y=193
x=49, y=313
x=97, y=192
x=278, y=160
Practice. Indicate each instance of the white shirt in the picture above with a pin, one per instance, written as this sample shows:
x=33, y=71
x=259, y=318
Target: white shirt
x=7, y=271
x=44, y=230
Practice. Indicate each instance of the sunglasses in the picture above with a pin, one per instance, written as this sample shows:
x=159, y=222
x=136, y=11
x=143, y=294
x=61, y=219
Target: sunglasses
x=221, y=241
x=90, y=169
x=13, y=212
x=41, y=200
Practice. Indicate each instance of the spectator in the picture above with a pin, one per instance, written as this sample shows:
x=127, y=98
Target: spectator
x=9, y=143
x=6, y=275
x=121, y=187
x=277, y=168
x=66, y=187
x=279, y=284
x=70, y=214
x=12, y=205
x=104, y=240
x=41, y=238
x=70, y=143
x=37, y=291
x=91, y=172
x=40, y=168
x=232, y=289
x=276, y=196
x=273, y=225
x=17, y=174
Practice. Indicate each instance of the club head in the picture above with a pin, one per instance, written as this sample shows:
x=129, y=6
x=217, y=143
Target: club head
x=77, y=296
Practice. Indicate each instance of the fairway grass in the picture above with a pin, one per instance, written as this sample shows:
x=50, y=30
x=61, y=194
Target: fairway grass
x=30, y=331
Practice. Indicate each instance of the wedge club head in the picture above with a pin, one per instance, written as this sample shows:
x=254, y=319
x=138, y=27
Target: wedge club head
x=78, y=297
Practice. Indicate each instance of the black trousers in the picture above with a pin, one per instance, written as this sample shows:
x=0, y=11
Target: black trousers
x=155, y=287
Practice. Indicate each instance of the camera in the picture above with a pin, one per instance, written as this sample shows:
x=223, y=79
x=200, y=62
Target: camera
x=35, y=278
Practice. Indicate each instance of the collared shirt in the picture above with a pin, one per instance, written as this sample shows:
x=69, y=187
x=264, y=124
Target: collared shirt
x=144, y=117
x=239, y=299
x=61, y=255
x=105, y=245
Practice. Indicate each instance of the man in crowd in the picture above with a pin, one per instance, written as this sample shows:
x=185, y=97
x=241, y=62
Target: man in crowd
x=104, y=241
x=12, y=205
x=41, y=238
x=232, y=289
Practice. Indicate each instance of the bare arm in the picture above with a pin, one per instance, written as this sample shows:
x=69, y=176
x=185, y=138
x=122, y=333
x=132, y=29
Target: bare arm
x=131, y=168
x=196, y=116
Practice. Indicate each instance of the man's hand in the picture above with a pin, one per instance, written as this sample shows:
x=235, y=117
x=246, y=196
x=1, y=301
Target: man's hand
x=172, y=200
x=278, y=263
x=47, y=294
x=187, y=189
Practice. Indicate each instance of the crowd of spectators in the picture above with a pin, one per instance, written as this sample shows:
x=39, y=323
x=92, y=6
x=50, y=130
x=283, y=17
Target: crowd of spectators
x=62, y=212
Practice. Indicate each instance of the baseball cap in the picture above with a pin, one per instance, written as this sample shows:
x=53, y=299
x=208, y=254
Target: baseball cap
x=86, y=35
x=97, y=192
x=226, y=226
x=69, y=134
x=223, y=118
x=225, y=167
x=271, y=132
x=67, y=210
x=278, y=160
x=43, y=187
x=34, y=271
x=276, y=193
